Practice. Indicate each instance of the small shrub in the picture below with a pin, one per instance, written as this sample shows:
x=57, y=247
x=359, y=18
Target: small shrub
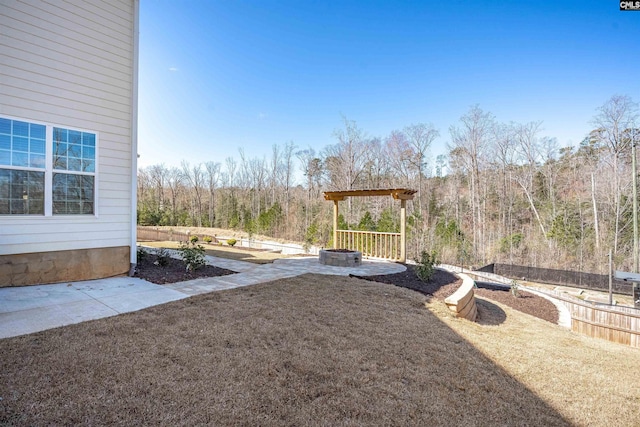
x=426, y=266
x=207, y=239
x=192, y=255
x=193, y=239
x=231, y=242
x=515, y=286
x=141, y=254
x=163, y=257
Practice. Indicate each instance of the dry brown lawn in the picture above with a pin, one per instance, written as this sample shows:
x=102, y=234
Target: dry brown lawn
x=591, y=381
x=313, y=350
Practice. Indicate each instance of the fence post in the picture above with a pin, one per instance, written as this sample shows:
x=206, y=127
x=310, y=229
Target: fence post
x=610, y=276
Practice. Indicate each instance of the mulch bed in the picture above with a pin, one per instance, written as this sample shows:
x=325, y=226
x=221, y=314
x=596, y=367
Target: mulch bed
x=525, y=302
x=174, y=271
x=443, y=284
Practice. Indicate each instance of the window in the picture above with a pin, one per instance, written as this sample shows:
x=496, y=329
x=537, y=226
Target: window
x=22, y=163
x=21, y=192
x=72, y=194
x=46, y=170
x=73, y=151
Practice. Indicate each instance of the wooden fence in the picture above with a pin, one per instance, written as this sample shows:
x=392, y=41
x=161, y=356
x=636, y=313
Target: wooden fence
x=370, y=243
x=613, y=323
x=610, y=322
x=152, y=234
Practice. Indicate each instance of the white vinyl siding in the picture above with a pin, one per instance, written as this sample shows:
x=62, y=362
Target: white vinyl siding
x=70, y=63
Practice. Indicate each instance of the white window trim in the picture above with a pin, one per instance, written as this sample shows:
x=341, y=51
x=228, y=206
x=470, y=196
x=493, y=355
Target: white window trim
x=48, y=172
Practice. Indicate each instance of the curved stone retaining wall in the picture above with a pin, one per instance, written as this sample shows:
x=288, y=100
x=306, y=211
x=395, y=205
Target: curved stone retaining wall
x=463, y=301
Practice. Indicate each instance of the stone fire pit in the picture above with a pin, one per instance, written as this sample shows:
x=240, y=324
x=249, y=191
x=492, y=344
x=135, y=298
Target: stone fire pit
x=340, y=257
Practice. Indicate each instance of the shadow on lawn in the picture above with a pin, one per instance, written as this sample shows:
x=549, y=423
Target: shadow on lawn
x=489, y=313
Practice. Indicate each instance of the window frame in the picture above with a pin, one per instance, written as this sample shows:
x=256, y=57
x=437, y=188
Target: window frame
x=49, y=171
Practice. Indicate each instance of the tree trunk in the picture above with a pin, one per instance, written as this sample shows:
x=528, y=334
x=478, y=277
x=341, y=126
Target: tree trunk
x=595, y=212
x=535, y=211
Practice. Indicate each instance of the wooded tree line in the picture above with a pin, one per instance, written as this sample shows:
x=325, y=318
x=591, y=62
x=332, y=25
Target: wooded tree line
x=504, y=193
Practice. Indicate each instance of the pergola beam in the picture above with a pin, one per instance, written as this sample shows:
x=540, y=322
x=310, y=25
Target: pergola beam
x=396, y=193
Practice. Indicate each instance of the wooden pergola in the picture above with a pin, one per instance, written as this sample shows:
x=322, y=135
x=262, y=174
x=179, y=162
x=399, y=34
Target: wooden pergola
x=402, y=194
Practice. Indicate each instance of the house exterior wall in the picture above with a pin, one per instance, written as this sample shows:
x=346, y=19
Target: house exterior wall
x=73, y=64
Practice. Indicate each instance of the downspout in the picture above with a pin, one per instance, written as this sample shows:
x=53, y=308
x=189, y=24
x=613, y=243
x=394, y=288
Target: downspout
x=134, y=138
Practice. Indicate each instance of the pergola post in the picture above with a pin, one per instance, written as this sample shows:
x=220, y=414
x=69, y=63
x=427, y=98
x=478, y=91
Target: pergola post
x=335, y=224
x=403, y=230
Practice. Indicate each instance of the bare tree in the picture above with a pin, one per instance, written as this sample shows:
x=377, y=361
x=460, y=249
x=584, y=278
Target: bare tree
x=231, y=170
x=420, y=137
x=397, y=145
x=345, y=160
x=213, y=176
x=549, y=151
x=376, y=163
x=232, y=179
x=174, y=181
x=244, y=174
x=441, y=165
x=287, y=174
x=614, y=117
x=526, y=137
x=157, y=174
x=195, y=177
x=472, y=139
x=503, y=154
x=275, y=171
x=143, y=182
x=312, y=169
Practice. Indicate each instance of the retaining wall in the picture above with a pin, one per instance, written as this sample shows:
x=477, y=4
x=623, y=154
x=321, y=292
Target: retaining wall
x=463, y=302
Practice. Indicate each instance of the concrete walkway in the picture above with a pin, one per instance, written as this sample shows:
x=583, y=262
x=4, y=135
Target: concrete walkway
x=28, y=309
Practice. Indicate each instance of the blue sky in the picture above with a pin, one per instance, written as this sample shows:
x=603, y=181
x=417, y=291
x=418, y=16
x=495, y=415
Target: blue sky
x=220, y=75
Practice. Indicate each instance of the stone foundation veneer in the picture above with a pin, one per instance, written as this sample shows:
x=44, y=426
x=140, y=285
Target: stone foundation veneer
x=63, y=266
x=340, y=258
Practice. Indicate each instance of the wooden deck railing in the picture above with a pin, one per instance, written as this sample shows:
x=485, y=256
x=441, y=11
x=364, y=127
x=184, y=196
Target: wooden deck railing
x=370, y=243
